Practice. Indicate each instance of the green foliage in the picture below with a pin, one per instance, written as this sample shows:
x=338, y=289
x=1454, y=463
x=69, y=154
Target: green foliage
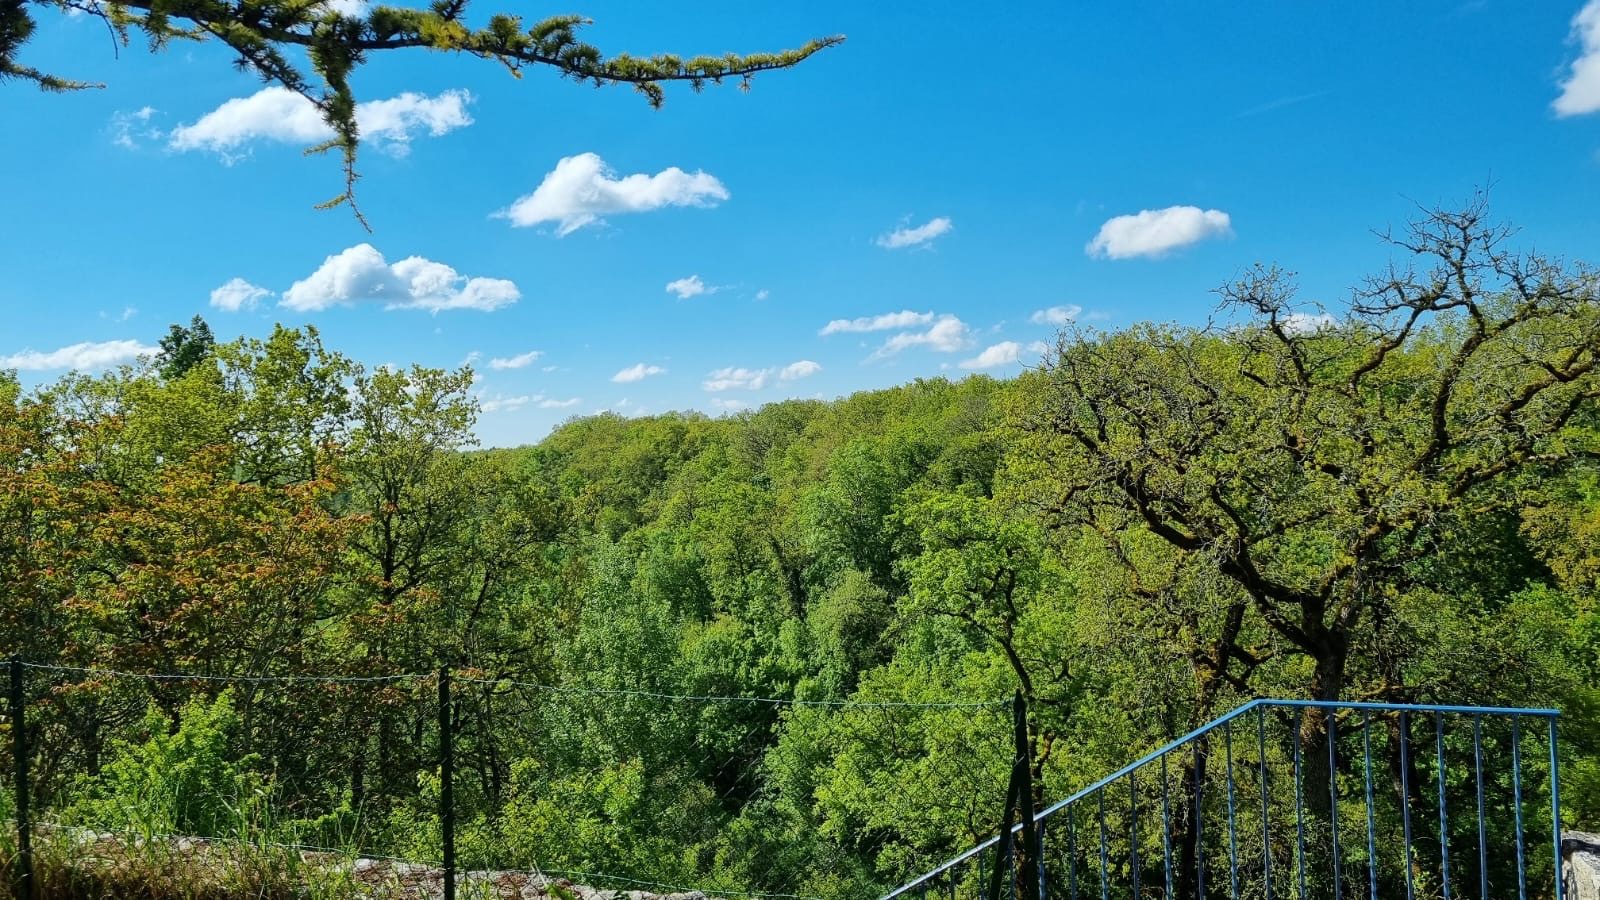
x=183, y=780
x=184, y=348
x=615, y=820
x=1163, y=522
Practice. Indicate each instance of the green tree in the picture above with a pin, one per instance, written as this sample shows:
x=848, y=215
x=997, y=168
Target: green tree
x=1320, y=469
x=183, y=348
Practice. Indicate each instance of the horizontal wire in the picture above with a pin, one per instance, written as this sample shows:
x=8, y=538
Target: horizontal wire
x=229, y=679
x=775, y=701
x=497, y=682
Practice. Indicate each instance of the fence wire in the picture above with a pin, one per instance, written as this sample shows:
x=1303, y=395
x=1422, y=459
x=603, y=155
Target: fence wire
x=554, y=786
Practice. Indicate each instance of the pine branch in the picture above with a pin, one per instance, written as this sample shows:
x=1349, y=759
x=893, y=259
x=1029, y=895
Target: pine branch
x=259, y=31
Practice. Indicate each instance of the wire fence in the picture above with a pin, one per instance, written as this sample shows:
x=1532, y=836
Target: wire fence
x=434, y=784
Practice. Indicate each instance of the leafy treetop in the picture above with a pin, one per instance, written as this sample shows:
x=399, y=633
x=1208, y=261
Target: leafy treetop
x=336, y=38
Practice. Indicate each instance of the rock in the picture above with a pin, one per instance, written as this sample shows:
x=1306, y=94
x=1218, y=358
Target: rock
x=1580, y=865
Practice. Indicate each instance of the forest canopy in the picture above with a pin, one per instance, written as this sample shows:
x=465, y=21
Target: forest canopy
x=1395, y=501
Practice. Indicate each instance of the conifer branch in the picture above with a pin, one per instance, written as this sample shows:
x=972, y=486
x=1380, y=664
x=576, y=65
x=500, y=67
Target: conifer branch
x=337, y=43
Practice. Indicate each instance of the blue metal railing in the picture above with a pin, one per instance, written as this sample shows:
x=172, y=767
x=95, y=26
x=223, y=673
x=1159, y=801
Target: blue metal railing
x=1310, y=784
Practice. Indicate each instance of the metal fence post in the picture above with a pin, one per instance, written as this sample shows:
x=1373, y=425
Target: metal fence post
x=22, y=873
x=1028, y=859
x=1003, y=845
x=447, y=806
x=1555, y=808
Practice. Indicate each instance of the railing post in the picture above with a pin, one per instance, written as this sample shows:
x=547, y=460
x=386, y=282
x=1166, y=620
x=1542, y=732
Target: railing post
x=1029, y=862
x=1002, y=845
x=1555, y=807
x=447, y=805
x=22, y=873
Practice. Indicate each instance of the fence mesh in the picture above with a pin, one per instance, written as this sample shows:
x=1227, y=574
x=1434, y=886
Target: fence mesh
x=250, y=781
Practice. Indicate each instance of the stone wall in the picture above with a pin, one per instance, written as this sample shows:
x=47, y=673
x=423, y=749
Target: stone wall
x=1580, y=865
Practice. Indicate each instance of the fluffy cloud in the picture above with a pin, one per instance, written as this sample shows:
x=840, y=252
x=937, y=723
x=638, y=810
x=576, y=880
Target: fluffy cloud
x=1056, y=315
x=727, y=404
x=360, y=274
x=581, y=190
x=279, y=114
x=690, y=287
x=905, y=236
x=82, y=357
x=794, y=371
x=520, y=361
x=1154, y=232
x=508, y=404
x=948, y=335
x=1580, y=93
x=902, y=319
x=1002, y=354
x=637, y=372
x=505, y=404
x=732, y=378
x=1305, y=323
x=238, y=294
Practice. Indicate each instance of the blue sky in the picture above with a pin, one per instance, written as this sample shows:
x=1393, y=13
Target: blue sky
x=933, y=197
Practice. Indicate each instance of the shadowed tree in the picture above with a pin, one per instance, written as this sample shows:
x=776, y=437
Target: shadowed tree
x=184, y=348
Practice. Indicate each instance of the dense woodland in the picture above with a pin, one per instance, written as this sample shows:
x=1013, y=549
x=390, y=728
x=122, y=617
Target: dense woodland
x=1397, y=501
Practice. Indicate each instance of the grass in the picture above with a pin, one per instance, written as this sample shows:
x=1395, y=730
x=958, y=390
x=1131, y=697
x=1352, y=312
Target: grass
x=77, y=864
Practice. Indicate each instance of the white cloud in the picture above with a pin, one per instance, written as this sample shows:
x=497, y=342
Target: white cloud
x=1580, y=93
x=505, y=404
x=910, y=237
x=731, y=378
x=580, y=190
x=728, y=404
x=637, y=372
x=279, y=114
x=763, y=294
x=1056, y=315
x=1154, y=232
x=794, y=371
x=82, y=357
x=360, y=274
x=238, y=294
x=1002, y=354
x=550, y=403
x=520, y=361
x=902, y=319
x=690, y=287
x=948, y=335
x=346, y=7
x=128, y=129
x=1305, y=323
